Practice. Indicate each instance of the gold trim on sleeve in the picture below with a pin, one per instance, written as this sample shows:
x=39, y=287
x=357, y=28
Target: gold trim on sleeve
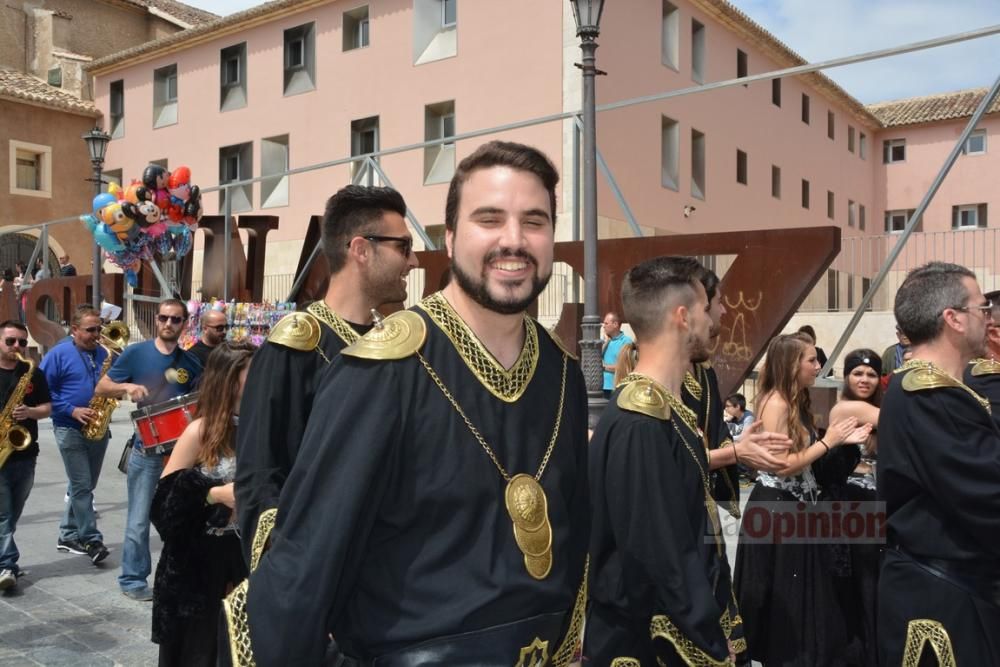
x=234, y=605
x=661, y=627
x=572, y=642
x=921, y=631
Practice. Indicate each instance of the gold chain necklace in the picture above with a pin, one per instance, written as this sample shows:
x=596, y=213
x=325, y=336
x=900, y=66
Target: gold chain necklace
x=524, y=496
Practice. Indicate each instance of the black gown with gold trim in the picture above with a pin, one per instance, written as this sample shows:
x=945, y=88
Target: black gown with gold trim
x=659, y=581
x=277, y=401
x=983, y=376
x=939, y=476
x=392, y=530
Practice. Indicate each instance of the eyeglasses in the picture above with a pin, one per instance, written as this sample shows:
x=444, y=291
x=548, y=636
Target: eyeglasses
x=92, y=329
x=405, y=242
x=173, y=319
x=219, y=328
x=986, y=309
x=9, y=342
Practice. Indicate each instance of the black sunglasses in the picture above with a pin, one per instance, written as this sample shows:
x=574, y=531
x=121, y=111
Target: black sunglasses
x=219, y=328
x=173, y=319
x=9, y=342
x=405, y=242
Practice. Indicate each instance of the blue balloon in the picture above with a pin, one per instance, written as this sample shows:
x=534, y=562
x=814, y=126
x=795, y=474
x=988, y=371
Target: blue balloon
x=107, y=239
x=102, y=200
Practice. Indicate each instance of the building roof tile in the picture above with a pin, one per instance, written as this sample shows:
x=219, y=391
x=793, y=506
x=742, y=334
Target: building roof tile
x=178, y=10
x=931, y=108
x=24, y=87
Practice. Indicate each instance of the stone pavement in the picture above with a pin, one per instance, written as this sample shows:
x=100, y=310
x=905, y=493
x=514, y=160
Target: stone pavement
x=66, y=611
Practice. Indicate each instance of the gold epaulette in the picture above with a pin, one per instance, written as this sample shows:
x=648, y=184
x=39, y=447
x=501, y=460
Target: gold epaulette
x=396, y=337
x=299, y=331
x=645, y=397
x=985, y=367
x=921, y=375
x=560, y=344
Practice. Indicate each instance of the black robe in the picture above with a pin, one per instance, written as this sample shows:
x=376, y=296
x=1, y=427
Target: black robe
x=392, y=529
x=655, y=564
x=712, y=422
x=984, y=378
x=939, y=476
x=277, y=401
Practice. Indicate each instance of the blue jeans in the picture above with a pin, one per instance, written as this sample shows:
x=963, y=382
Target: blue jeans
x=16, y=480
x=82, y=459
x=143, y=474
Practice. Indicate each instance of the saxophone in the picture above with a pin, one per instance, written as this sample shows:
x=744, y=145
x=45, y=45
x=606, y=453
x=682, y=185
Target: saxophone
x=114, y=338
x=13, y=437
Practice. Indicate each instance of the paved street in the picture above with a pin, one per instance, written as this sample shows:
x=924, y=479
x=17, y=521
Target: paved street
x=66, y=611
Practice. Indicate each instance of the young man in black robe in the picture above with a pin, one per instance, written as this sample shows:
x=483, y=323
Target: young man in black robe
x=369, y=252
x=983, y=374
x=438, y=512
x=939, y=476
x=659, y=581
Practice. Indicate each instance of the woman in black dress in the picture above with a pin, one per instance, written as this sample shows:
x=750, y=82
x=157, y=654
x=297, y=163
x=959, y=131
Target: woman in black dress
x=784, y=585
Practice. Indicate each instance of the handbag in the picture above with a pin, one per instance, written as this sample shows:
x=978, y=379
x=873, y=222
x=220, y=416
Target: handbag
x=126, y=455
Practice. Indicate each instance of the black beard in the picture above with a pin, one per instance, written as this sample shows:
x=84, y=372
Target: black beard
x=480, y=294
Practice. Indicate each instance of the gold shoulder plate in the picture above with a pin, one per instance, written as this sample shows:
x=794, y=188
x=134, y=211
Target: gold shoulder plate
x=560, y=344
x=927, y=377
x=396, y=337
x=645, y=397
x=299, y=331
x=985, y=367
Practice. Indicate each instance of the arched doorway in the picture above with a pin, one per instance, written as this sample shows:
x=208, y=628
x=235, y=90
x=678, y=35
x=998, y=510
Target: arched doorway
x=18, y=247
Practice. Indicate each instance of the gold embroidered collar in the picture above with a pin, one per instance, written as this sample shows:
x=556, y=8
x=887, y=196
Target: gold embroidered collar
x=334, y=321
x=507, y=385
x=692, y=385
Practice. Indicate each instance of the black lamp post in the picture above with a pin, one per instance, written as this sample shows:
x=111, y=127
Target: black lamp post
x=97, y=147
x=587, y=14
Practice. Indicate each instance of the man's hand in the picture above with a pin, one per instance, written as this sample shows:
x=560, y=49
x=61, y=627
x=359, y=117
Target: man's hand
x=22, y=412
x=136, y=392
x=763, y=450
x=83, y=415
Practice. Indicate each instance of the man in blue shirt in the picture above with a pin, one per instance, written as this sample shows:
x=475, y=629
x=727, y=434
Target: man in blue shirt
x=612, y=348
x=72, y=371
x=150, y=372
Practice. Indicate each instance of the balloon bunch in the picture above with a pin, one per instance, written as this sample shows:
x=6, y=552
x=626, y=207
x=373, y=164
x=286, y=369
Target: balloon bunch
x=151, y=218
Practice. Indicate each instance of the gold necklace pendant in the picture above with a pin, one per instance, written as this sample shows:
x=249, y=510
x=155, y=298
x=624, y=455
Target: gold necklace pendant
x=529, y=512
x=539, y=568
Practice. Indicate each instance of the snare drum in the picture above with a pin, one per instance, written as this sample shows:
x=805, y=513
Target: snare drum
x=160, y=425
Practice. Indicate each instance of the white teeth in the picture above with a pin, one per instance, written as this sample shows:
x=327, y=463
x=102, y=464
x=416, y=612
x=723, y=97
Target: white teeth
x=510, y=266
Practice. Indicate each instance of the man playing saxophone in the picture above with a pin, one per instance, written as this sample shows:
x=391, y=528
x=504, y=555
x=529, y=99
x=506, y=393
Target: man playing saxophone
x=72, y=370
x=24, y=396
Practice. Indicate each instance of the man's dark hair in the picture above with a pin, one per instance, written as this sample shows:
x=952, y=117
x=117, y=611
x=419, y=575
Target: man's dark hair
x=650, y=288
x=994, y=296
x=501, y=154
x=353, y=211
x=739, y=400
x=709, y=281
x=82, y=311
x=13, y=324
x=173, y=302
x=924, y=296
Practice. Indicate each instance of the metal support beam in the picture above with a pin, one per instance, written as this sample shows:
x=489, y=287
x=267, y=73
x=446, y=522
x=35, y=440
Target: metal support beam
x=421, y=232
x=227, y=241
x=615, y=190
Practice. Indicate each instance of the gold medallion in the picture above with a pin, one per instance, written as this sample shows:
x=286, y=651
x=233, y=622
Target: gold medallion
x=526, y=502
x=534, y=543
x=539, y=567
x=182, y=376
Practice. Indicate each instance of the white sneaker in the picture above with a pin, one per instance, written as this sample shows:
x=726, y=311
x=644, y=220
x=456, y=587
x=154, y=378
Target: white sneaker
x=7, y=579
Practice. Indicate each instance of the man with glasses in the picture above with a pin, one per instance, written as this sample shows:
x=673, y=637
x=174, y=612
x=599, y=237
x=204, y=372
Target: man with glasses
x=214, y=326
x=72, y=372
x=18, y=474
x=939, y=476
x=369, y=252
x=149, y=372
x=983, y=373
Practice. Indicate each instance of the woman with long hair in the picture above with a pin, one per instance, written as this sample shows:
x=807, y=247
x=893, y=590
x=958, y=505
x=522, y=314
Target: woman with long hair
x=861, y=398
x=783, y=585
x=194, y=512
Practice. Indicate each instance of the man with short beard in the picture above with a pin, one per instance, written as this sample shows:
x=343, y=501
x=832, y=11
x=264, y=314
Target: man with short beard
x=939, y=476
x=438, y=511
x=983, y=373
x=213, y=331
x=149, y=372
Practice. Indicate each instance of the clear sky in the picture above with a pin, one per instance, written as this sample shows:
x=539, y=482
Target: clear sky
x=823, y=29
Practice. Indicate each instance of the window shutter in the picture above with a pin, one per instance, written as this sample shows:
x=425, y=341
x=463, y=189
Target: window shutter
x=954, y=217
x=888, y=222
x=981, y=218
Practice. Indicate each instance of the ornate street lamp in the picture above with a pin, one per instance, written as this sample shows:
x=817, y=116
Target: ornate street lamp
x=587, y=14
x=97, y=147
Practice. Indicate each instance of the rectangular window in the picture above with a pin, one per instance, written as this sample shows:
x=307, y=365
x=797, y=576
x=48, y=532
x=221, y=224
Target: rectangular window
x=968, y=216
x=274, y=160
x=670, y=36
x=697, y=51
x=364, y=139
x=805, y=108
x=829, y=205
x=851, y=213
x=741, y=167
x=850, y=138
x=55, y=77
x=165, y=96
x=863, y=146
x=439, y=160
x=861, y=217
x=697, y=164
x=449, y=15
x=831, y=125
x=116, y=108
x=832, y=290
x=776, y=92
x=976, y=143
x=30, y=169
x=776, y=182
x=233, y=77
x=893, y=150
x=670, y=140
x=300, y=59
x=109, y=176
x=895, y=221
x=435, y=30
x=805, y=193
x=236, y=164
x=356, y=28
x=742, y=64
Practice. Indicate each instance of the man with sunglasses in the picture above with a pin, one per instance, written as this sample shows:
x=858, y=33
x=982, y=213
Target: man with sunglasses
x=213, y=331
x=983, y=373
x=939, y=476
x=18, y=474
x=72, y=371
x=369, y=252
x=149, y=372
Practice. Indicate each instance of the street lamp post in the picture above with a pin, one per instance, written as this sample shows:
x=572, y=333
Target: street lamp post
x=97, y=146
x=587, y=14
